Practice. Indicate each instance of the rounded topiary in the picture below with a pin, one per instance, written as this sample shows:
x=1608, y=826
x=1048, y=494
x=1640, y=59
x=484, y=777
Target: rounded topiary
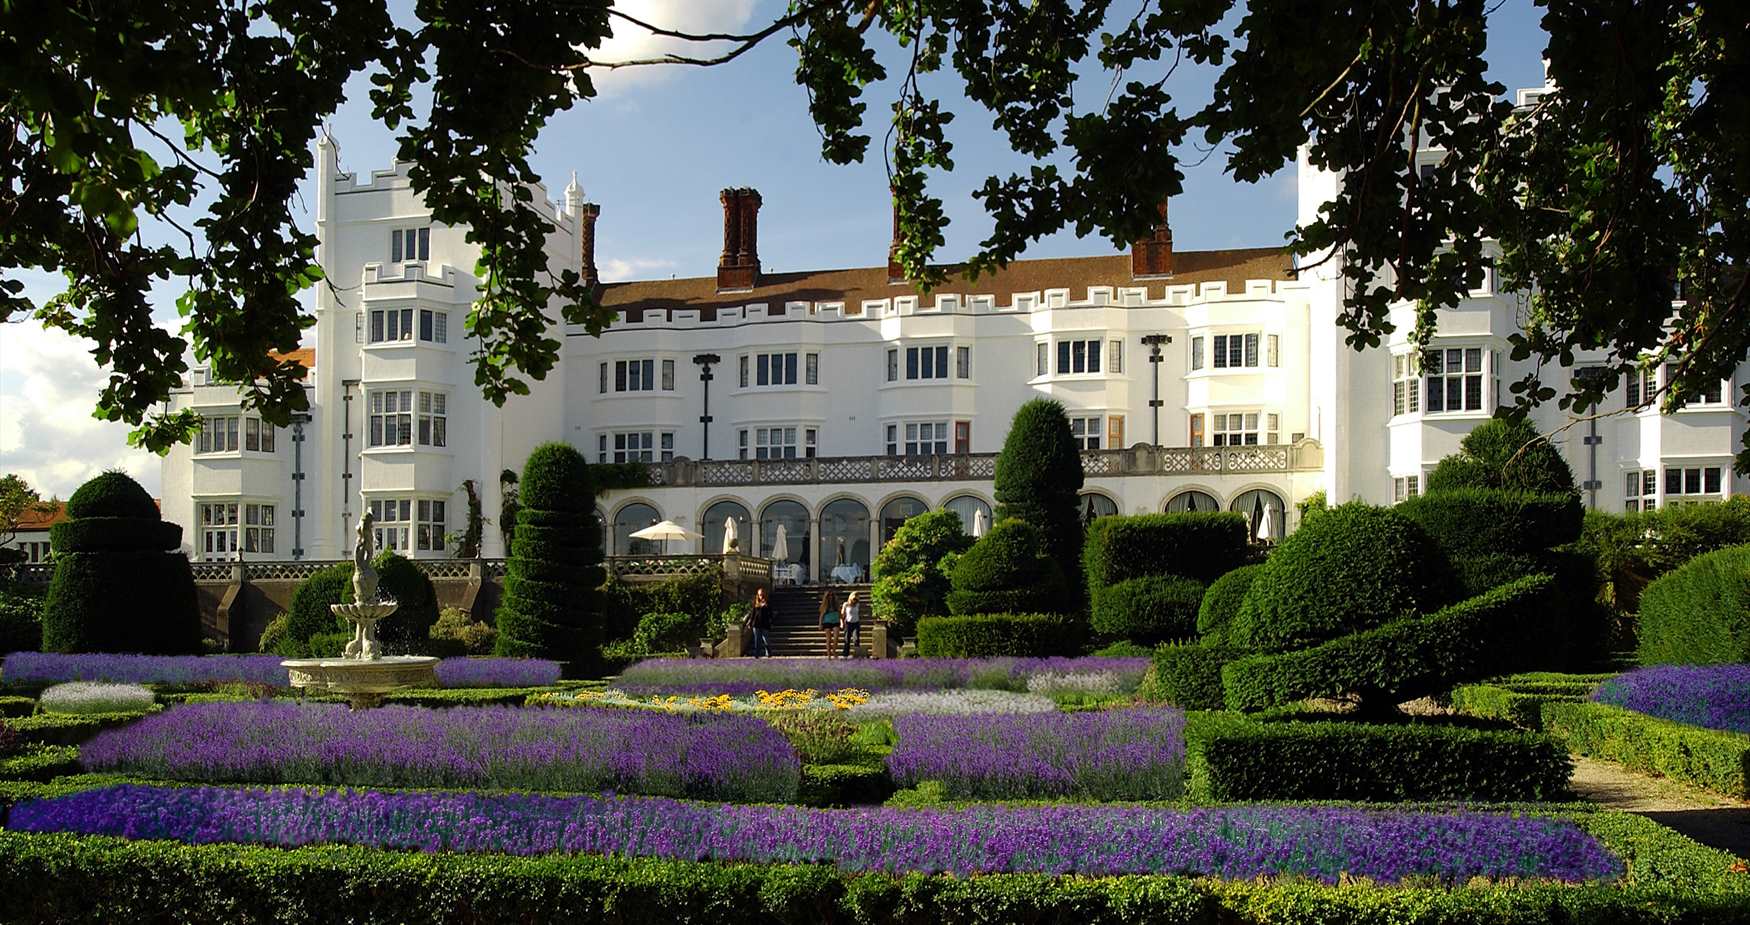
x=1351, y=569
x=309, y=612
x=1503, y=453
x=909, y=582
x=120, y=585
x=1699, y=614
x=551, y=600
x=408, y=629
x=666, y=632
x=1007, y=571
x=1492, y=536
x=1038, y=480
x=310, y=615
x=1151, y=608
x=1221, y=602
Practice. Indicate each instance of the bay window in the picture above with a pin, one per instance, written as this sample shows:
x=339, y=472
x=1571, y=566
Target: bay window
x=229, y=526
x=776, y=442
x=635, y=446
x=1455, y=379
x=1693, y=484
x=1406, y=392
x=922, y=438
x=1640, y=490
x=926, y=362
x=1086, y=430
x=230, y=433
x=1078, y=356
x=391, y=418
x=392, y=523
x=1246, y=428
x=430, y=525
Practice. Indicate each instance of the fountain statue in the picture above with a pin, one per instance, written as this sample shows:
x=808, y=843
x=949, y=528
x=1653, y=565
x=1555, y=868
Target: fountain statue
x=363, y=673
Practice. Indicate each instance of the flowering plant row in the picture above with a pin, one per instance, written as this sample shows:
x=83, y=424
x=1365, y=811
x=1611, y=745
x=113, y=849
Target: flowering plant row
x=851, y=703
x=1125, y=754
x=1325, y=844
x=721, y=757
x=33, y=668
x=738, y=677
x=1710, y=696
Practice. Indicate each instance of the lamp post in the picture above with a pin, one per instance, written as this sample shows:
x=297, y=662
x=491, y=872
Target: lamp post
x=1592, y=375
x=704, y=362
x=1154, y=343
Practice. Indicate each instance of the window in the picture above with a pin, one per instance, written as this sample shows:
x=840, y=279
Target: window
x=218, y=435
x=1691, y=484
x=391, y=419
x=391, y=324
x=893, y=364
x=258, y=528
x=1115, y=356
x=810, y=441
x=602, y=386
x=1086, y=430
x=1078, y=356
x=963, y=362
x=926, y=362
x=1196, y=353
x=218, y=527
x=258, y=435
x=1274, y=344
x=962, y=437
x=1405, y=488
x=744, y=371
x=1043, y=364
x=409, y=244
x=892, y=433
x=394, y=520
x=1640, y=490
x=434, y=327
x=636, y=446
x=1242, y=428
x=1711, y=394
x=811, y=369
x=358, y=331
x=1234, y=351
x=772, y=369
x=429, y=528
x=1455, y=379
x=769, y=443
x=925, y=438
x=433, y=419
x=1405, y=390
x=1114, y=431
x=1196, y=430
x=1643, y=384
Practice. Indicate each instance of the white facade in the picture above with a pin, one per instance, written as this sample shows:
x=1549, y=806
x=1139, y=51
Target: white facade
x=864, y=401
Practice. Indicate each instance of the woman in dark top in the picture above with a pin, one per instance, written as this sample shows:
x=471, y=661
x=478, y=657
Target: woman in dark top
x=759, y=619
x=829, y=621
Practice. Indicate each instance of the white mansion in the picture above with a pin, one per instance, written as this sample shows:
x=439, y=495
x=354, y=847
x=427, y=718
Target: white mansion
x=837, y=403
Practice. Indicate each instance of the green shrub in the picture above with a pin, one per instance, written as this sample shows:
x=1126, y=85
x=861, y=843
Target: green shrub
x=1038, y=480
x=665, y=632
x=1502, y=453
x=1491, y=536
x=21, y=617
x=1221, y=602
x=67, y=728
x=1700, y=613
x=1232, y=758
x=1008, y=571
x=844, y=785
x=699, y=596
x=408, y=630
x=16, y=706
x=40, y=763
x=1351, y=569
x=551, y=604
x=1710, y=758
x=456, y=632
x=308, y=614
x=982, y=635
x=1499, y=702
x=1150, y=608
x=909, y=581
x=1124, y=648
x=1200, y=545
x=311, y=627
x=1497, y=632
x=124, y=587
x=1187, y=676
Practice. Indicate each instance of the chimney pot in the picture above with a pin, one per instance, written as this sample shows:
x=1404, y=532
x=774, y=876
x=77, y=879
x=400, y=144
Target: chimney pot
x=739, y=266
x=1153, y=255
x=586, y=216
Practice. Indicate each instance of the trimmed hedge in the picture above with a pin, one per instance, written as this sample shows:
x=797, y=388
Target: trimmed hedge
x=1353, y=568
x=1188, y=676
x=1493, y=701
x=1008, y=570
x=981, y=635
x=1200, y=545
x=1222, y=600
x=103, y=534
x=21, y=617
x=551, y=605
x=68, y=728
x=844, y=785
x=1501, y=453
x=1493, y=633
x=41, y=763
x=1491, y=536
x=1229, y=757
x=112, y=494
x=1038, y=479
x=16, y=706
x=90, y=879
x=1708, y=758
x=1150, y=608
x=1700, y=613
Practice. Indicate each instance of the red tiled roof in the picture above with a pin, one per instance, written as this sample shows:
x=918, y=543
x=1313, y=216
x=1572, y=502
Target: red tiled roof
x=303, y=355
x=52, y=513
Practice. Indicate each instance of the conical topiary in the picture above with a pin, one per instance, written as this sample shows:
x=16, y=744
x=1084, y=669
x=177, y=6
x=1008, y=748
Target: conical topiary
x=550, y=603
x=120, y=584
x=1038, y=478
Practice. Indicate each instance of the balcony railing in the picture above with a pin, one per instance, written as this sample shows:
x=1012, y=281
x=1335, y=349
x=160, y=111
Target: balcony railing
x=1305, y=455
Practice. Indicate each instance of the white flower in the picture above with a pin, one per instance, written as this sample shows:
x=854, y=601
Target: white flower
x=1072, y=682
x=952, y=702
x=95, y=697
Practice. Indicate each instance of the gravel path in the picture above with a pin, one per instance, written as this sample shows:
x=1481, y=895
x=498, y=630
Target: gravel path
x=1706, y=817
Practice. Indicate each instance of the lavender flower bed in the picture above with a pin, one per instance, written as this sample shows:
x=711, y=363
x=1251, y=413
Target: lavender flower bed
x=738, y=677
x=1129, y=754
x=1711, y=696
x=1325, y=844
x=636, y=751
x=25, y=669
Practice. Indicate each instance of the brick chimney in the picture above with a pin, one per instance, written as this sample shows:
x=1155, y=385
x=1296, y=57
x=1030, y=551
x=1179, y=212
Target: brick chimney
x=586, y=216
x=739, y=266
x=1153, y=255
x=895, y=274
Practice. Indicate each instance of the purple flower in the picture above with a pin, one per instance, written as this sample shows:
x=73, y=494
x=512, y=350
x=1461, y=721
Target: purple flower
x=1127, y=754
x=497, y=672
x=738, y=677
x=1711, y=696
x=1320, y=843
x=636, y=751
x=36, y=668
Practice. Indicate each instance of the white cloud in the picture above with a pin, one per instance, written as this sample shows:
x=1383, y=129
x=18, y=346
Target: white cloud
x=48, y=387
x=629, y=42
x=615, y=270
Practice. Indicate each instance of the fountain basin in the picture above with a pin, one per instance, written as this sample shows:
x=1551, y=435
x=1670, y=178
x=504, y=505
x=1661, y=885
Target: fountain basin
x=363, y=682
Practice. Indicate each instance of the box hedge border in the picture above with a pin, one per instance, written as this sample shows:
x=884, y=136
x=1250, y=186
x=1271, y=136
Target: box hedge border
x=1709, y=758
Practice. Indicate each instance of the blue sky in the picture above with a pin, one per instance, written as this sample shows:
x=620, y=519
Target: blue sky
x=653, y=149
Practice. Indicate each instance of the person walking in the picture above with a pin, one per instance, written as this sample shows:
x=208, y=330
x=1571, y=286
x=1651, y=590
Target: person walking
x=759, y=619
x=853, y=614
x=829, y=621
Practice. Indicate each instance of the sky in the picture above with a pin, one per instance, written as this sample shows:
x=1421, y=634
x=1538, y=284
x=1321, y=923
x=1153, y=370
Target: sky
x=652, y=149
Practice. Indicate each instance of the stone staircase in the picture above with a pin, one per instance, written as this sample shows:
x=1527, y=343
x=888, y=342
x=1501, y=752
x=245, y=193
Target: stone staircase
x=796, y=620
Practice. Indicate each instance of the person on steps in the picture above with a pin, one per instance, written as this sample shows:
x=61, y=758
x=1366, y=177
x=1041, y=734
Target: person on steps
x=853, y=620
x=829, y=621
x=759, y=619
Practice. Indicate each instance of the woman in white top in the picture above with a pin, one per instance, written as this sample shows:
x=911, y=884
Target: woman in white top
x=853, y=620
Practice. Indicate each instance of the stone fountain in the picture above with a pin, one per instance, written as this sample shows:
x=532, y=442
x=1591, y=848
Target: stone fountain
x=363, y=674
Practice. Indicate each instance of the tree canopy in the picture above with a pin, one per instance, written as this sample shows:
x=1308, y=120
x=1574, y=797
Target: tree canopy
x=1604, y=201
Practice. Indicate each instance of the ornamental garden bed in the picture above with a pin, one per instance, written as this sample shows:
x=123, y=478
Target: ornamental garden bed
x=1688, y=723
x=35, y=670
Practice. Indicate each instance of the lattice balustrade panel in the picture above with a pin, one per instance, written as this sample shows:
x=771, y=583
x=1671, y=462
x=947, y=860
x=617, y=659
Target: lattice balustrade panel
x=897, y=468
x=725, y=473
x=1175, y=460
x=443, y=568
x=1206, y=459
x=211, y=571
x=1098, y=463
x=282, y=571
x=981, y=467
x=1257, y=459
x=657, y=474
x=847, y=469
x=492, y=568
x=786, y=472
x=664, y=565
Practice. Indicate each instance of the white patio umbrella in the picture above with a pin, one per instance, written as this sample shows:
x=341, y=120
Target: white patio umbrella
x=980, y=523
x=730, y=537
x=781, y=545
x=665, y=531
x=1267, y=524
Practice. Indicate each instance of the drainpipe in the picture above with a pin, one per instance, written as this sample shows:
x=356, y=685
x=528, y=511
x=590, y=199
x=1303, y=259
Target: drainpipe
x=1155, y=342
x=346, y=386
x=298, y=422
x=704, y=361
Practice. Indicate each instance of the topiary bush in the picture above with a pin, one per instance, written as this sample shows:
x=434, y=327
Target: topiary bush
x=120, y=583
x=311, y=630
x=992, y=634
x=1503, y=453
x=309, y=615
x=1188, y=676
x=551, y=603
x=457, y=633
x=665, y=632
x=1008, y=570
x=909, y=582
x=1700, y=613
x=1353, y=568
x=1151, y=608
x=408, y=629
x=1221, y=602
x=1491, y=536
x=1200, y=545
x=1038, y=478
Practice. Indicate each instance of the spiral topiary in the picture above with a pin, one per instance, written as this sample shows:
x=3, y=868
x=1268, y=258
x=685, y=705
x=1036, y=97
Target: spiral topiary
x=551, y=604
x=1038, y=478
x=120, y=584
x=1007, y=571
